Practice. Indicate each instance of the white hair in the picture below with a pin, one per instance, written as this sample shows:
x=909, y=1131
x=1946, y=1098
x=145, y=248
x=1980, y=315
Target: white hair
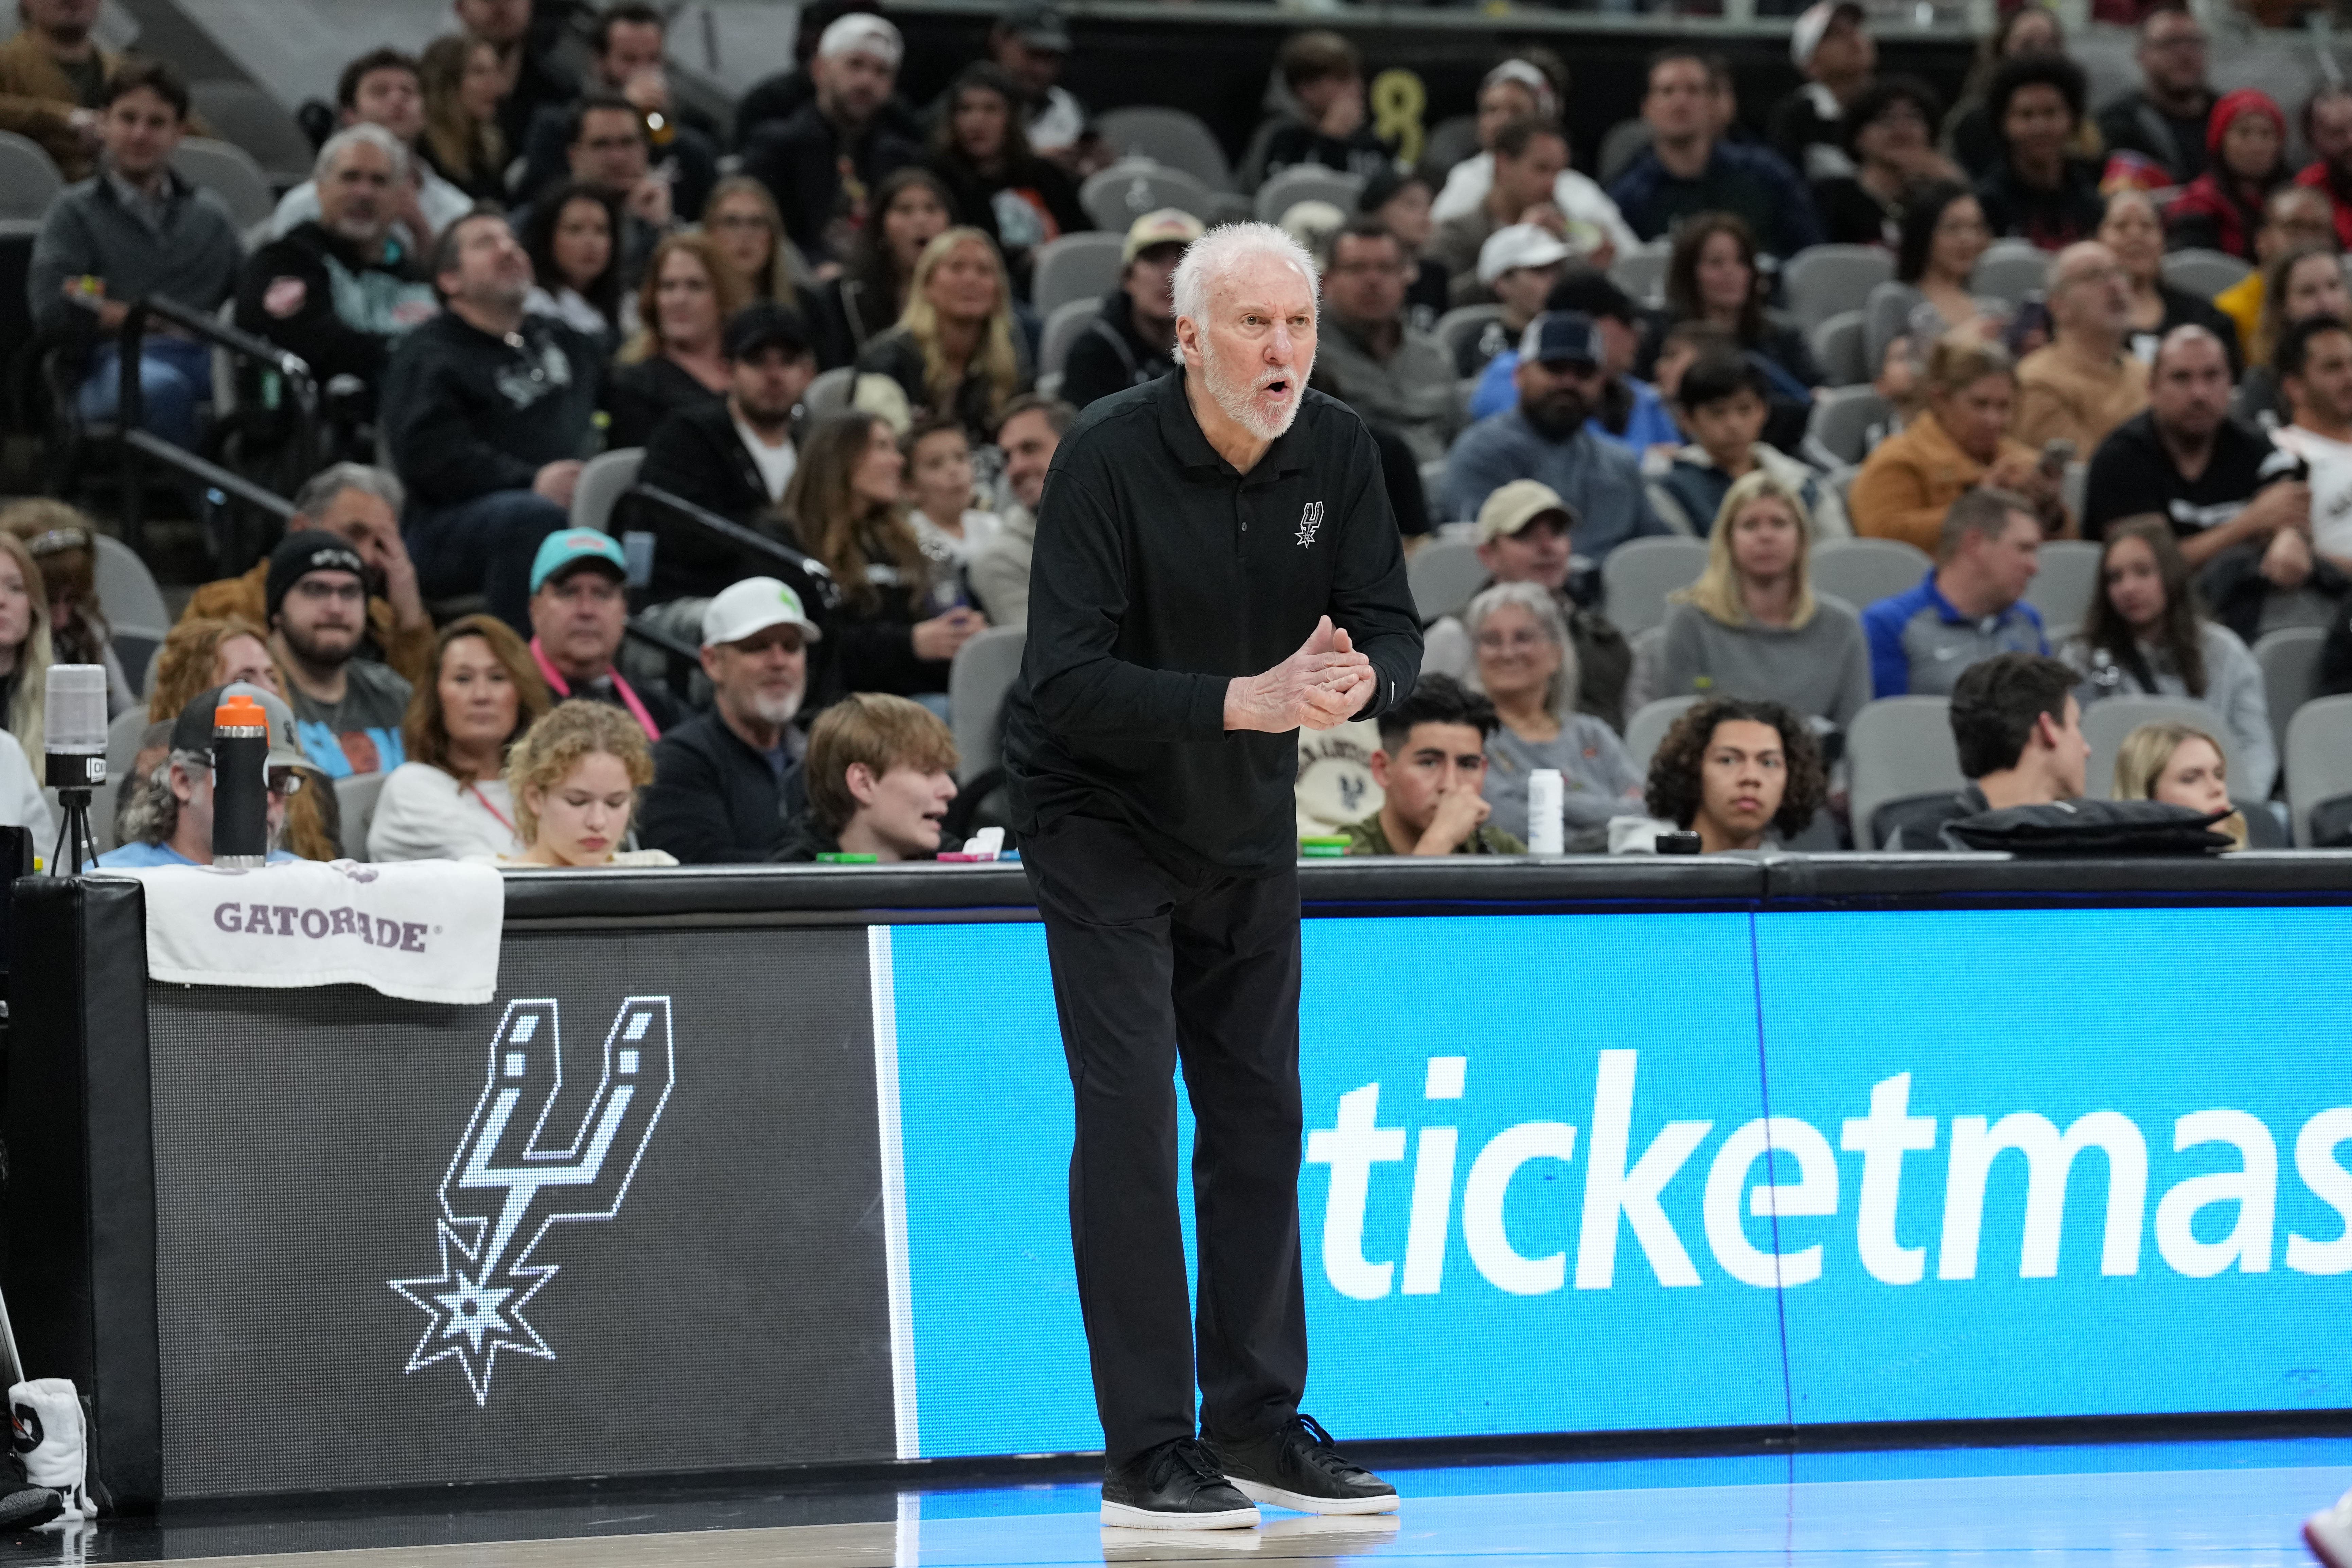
x=1559, y=696
x=351, y=135
x=1218, y=253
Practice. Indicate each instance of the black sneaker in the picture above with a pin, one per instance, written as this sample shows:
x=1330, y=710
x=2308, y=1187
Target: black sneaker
x=1294, y=1466
x=1174, y=1487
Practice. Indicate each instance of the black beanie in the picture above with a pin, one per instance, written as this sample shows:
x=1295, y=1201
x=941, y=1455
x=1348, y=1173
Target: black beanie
x=299, y=555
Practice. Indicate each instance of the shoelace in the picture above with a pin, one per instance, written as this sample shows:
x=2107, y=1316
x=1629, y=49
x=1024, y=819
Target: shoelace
x=1318, y=1448
x=1184, y=1454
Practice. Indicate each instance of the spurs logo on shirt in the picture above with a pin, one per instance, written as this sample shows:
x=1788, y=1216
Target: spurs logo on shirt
x=1309, y=522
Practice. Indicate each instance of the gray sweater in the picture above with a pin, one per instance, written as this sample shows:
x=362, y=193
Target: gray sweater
x=2233, y=690
x=1821, y=669
x=1598, y=781
x=193, y=254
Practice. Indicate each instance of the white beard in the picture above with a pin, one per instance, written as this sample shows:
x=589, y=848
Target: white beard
x=777, y=710
x=1235, y=396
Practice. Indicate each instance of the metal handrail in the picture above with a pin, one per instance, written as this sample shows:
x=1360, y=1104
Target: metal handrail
x=750, y=540
x=131, y=406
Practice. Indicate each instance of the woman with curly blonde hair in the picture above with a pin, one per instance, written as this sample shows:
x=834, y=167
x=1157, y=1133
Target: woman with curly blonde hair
x=574, y=778
x=955, y=352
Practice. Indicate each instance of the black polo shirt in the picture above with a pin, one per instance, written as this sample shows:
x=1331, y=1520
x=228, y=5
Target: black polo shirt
x=1159, y=574
x=2133, y=472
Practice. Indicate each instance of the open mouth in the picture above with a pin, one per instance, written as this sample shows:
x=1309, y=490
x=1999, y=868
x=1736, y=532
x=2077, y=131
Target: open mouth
x=1277, y=389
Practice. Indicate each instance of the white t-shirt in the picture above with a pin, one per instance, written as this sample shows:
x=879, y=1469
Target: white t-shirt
x=423, y=814
x=1580, y=199
x=980, y=531
x=776, y=463
x=2331, y=487
x=22, y=803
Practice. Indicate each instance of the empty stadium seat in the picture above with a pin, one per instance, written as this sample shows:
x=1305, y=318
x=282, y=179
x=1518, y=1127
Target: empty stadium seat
x=2290, y=664
x=29, y=182
x=2203, y=273
x=355, y=799
x=1076, y=267
x=1464, y=323
x=1171, y=138
x=1648, y=726
x=1307, y=183
x=1062, y=328
x=1863, y=571
x=1443, y=575
x=1641, y=572
x=1450, y=142
x=1648, y=647
x=1624, y=141
x=228, y=172
x=1898, y=749
x=604, y=478
x=829, y=393
x=126, y=589
x=2062, y=585
x=2011, y=269
x=1886, y=316
x=1115, y=197
x=2318, y=750
x=1825, y=280
x=1841, y=421
x=982, y=673
x=248, y=116
x=2107, y=721
x=1837, y=345
x=1641, y=273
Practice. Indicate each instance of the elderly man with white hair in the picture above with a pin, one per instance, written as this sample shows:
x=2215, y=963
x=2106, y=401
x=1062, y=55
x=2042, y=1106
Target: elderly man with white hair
x=385, y=87
x=338, y=289
x=1216, y=567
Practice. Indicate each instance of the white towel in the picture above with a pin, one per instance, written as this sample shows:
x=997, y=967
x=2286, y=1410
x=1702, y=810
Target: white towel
x=46, y=1430
x=426, y=931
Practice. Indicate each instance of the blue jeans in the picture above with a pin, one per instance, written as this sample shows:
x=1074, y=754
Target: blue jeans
x=175, y=376
x=484, y=546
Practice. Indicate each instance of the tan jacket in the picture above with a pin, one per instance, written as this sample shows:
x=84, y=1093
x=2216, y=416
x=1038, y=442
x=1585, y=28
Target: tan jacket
x=36, y=100
x=1910, y=479
x=2058, y=401
x=408, y=652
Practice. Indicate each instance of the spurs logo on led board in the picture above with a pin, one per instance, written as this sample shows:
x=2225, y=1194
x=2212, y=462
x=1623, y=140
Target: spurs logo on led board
x=514, y=1177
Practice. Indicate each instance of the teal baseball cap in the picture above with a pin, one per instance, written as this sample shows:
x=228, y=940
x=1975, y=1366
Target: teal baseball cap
x=568, y=547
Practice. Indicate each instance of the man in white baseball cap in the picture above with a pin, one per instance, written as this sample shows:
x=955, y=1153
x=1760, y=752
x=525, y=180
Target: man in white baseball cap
x=1831, y=43
x=800, y=158
x=728, y=781
x=1516, y=267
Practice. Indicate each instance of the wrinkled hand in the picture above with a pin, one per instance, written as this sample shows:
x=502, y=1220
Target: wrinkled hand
x=941, y=635
x=1460, y=812
x=1318, y=687
x=557, y=480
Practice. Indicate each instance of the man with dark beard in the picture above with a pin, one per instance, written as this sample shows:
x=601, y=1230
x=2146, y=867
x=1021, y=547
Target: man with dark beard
x=1216, y=568
x=1562, y=370
x=347, y=711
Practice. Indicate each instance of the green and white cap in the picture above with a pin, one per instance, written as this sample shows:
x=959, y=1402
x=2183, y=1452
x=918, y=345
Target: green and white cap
x=747, y=609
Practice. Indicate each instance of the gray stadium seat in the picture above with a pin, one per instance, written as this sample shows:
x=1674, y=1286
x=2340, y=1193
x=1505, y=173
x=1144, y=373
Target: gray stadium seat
x=2318, y=759
x=2289, y=665
x=604, y=478
x=829, y=393
x=1841, y=421
x=2203, y=273
x=1115, y=197
x=1443, y=575
x=1641, y=273
x=29, y=182
x=1307, y=183
x=1076, y=267
x=1648, y=727
x=2011, y=269
x=1886, y=316
x=1625, y=141
x=228, y=172
x=1433, y=489
x=1837, y=348
x=1648, y=647
x=1458, y=326
x=2107, y=721
x=1639, y=573
x=1062, y=328
x=1899, y=748
x=2062, y=588
x=247, y=115
x=127, y=590
x=1171, y=138
x=1823, y=281
x=1450, y=142
x=981, y=674
x=1863, y=571
x=355, y=800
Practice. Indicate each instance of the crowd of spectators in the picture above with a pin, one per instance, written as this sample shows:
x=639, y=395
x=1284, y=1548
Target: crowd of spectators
x=505, y=268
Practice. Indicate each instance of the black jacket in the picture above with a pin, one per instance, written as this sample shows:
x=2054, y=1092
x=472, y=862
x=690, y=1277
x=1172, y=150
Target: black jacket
x=975, y=196
x=799, y=160
x=2132, y=125
x=465, y=414
x=2234, y=584
x=2052, y=218
x=698, y=455
x=288, y=294
x=1161, y=575
x=642, y=394
x=2132, y=473
x=689, y=156
x=780, y=97
x=1109, y=356
x=714, y=801
x=897, y=355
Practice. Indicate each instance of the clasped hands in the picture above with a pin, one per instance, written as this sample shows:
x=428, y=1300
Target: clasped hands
x=1322, y=684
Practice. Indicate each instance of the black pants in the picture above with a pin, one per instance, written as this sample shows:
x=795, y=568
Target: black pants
x=1152, y=960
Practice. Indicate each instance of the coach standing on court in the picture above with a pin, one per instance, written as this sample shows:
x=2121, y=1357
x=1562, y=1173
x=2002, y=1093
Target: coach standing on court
x=1216, y=567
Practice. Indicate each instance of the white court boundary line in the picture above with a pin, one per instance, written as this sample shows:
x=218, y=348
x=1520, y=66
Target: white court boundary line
x=893, y=1191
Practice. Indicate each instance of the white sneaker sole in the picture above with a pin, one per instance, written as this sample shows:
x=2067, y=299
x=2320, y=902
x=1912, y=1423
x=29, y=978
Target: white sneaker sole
x=1144, y=1519
x=1300, y=1503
